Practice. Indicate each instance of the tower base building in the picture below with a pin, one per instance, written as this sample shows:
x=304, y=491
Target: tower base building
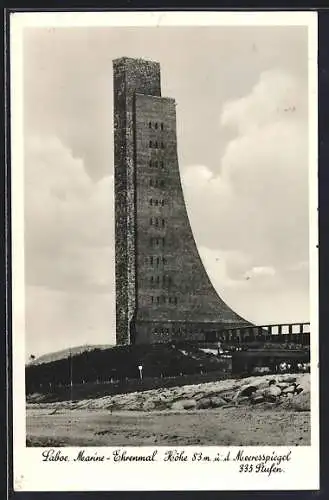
x=163, y=292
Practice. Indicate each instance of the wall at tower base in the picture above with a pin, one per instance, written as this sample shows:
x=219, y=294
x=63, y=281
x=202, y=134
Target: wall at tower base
x=148, y=332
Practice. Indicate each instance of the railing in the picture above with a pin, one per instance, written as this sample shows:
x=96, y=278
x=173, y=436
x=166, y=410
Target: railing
x=296, y=333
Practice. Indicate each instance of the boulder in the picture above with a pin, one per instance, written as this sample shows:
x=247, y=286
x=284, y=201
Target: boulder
x=148, y=405
x=287, y=380
x=217, y=401
x=245, y=391
x=204, y=404
x=290, y=389
x=184, y=404
x=228, y=396
x=272, y=392
x=300, y=402
x=257, y=397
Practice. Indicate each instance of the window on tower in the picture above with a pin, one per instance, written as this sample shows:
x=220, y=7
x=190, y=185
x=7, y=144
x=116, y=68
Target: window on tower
x=163, y=223
x=151, y=202
x=150, y=124
x=156, y=125
x=156, y=145
x=161, y=126
x=150, y=163
x=151, y=260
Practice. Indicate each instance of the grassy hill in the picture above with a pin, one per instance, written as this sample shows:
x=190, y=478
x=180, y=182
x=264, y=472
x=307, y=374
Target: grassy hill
x=102, y=365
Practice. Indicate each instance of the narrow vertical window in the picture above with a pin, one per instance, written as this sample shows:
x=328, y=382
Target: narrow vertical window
x=158, y=300
x=156, y=221
x=158, y=279
x=163, y=223
x=151, y=182
x=151, y=260
x=151, y=202
x=152, y=299
x=164, y=261
x=162, y=164
x=151, y=221
x=150, y=124
x=150, y=163
x=163, y=242
x=158, y=260
x=162, y=203
x=157, y=241
x=151, y=280
x=151, y=144
x=156, y=203
x=175, y=300
x=156, y=145
x=162, y=145
x=161, y=126
x=156, y=125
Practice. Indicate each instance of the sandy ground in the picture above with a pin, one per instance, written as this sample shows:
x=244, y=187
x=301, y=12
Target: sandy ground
x=160, y=417
x=221, y=427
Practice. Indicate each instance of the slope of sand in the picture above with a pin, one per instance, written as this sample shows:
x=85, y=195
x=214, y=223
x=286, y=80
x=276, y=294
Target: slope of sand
x=174, y=398
x=177, y=417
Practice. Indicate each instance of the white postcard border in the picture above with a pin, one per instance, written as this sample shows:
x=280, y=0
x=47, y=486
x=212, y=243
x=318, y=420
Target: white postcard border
x=30, y=473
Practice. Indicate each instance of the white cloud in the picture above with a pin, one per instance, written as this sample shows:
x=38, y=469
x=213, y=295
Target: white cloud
x=69, y=220
x=69, y=250
x=257, y=200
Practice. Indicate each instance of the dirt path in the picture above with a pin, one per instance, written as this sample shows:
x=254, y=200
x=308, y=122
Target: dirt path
x=243, y=426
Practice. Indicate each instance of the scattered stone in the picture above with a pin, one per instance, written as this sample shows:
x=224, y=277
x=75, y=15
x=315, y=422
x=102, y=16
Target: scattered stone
x=148, y=405
x=257, y=398
x=204, y=404
x=228, y=396
x=290, y=389
x=217, y=402
x=246, y=391
x=288, y=379
x=184, y=404
x=272, y=392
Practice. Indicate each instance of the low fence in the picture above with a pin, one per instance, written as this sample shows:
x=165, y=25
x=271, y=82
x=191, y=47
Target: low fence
x=88, y=390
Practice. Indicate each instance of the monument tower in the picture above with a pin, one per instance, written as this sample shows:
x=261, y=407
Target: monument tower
x=162, y=289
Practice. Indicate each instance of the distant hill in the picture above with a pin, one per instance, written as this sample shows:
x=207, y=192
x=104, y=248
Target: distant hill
x=66, y=353
x=103, y=364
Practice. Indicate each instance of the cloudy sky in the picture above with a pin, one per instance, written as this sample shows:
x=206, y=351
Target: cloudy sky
x=241, y=97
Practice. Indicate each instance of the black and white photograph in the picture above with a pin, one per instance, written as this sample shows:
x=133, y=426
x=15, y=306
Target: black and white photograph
x=168, y=249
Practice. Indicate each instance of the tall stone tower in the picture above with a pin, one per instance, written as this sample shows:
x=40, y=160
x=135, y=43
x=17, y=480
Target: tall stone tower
x=162, y=289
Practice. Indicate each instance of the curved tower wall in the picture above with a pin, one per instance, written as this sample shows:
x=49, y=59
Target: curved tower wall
x=162, y=289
